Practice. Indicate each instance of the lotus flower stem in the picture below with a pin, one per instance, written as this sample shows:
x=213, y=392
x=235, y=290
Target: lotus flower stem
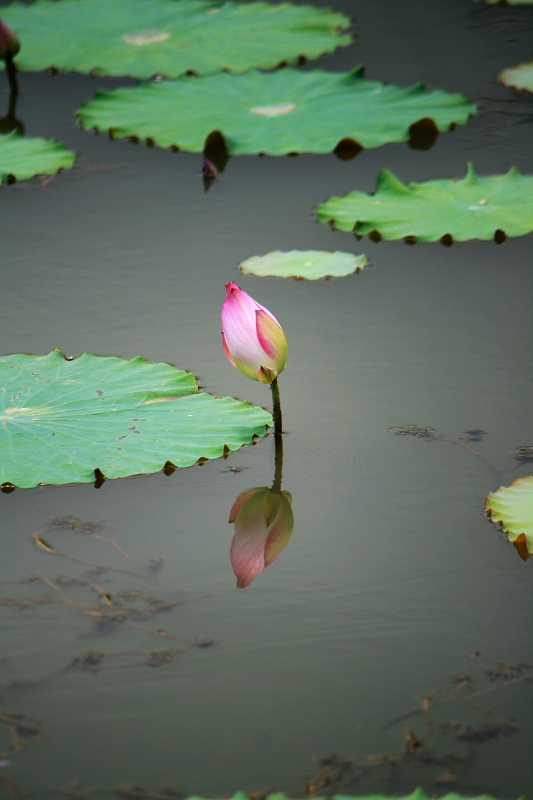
x=276, y=407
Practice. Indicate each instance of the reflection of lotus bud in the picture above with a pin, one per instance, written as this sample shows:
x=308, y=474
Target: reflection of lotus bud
x=9, y=43
x=263, y=526
x=253, y=339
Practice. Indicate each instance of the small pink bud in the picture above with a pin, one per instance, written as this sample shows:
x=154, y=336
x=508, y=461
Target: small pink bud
x=9, y=43
x=263, y=526
x=252, y=337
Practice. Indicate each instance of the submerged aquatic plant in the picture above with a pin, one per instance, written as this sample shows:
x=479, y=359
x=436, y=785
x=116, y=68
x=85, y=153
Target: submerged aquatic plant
x=254, y=341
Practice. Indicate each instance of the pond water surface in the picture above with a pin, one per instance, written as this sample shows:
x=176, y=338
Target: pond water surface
x=393, y=575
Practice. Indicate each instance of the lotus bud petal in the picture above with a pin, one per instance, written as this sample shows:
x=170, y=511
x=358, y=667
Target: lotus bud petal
x=9, y=43
x=263, y=526
x=252, y=337
x=240, y=501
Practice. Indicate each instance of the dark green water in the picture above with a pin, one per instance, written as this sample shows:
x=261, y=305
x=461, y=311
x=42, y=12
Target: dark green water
x=393, y=575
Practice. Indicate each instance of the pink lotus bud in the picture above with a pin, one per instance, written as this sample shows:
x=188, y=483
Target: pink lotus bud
x=253, y=339
x=263, y=526
x=9, y=43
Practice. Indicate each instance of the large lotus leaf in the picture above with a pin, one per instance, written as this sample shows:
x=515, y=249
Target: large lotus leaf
x=22, y=158
x=519, y=77
x=309, y=264
x=146, y=37
x=274, y=113
x=512, y=507
x=472, y=208
x=63, y=419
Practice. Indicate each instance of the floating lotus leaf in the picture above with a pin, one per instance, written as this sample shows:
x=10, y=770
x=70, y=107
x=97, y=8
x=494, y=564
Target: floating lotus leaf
x=22, y=158
x=274, y=113
x=309, y=264
x=509, y=2
x=519, y=77
x=512, y=507
x=146, y=37
x=63, y=419
x=418, y=794
x=475, y=207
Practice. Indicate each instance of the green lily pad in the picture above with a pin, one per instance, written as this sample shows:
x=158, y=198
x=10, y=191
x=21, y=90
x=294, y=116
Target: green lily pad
x=308, y=264
x=62, y=419
x=22, y=158
x=519, y=77
x=274, y=113
x=147, y=37
x=512, y=508
x=475, y=207
x=418, y=794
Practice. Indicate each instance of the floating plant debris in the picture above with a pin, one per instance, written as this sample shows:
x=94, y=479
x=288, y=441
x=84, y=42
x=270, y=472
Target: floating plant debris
x=413, y=430
x=524, y=453
x=110, y=607
x=471, y=435
x=22, y=731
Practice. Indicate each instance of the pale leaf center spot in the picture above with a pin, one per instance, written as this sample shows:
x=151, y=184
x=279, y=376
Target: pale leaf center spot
x=145, y=37
x=15, y=410
x=478, y=206
x=275, y=110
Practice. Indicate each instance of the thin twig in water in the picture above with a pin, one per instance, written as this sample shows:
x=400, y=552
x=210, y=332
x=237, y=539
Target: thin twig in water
x=22, y=731
x=118, y=547
x=441, y=437
x=43, y=545
x=496, y=680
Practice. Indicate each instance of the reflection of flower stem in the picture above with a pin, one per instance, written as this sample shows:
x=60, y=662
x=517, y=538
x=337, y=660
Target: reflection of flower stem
x=278, y=462
x=10, y=122
x=11, y=71
x=276, y=406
